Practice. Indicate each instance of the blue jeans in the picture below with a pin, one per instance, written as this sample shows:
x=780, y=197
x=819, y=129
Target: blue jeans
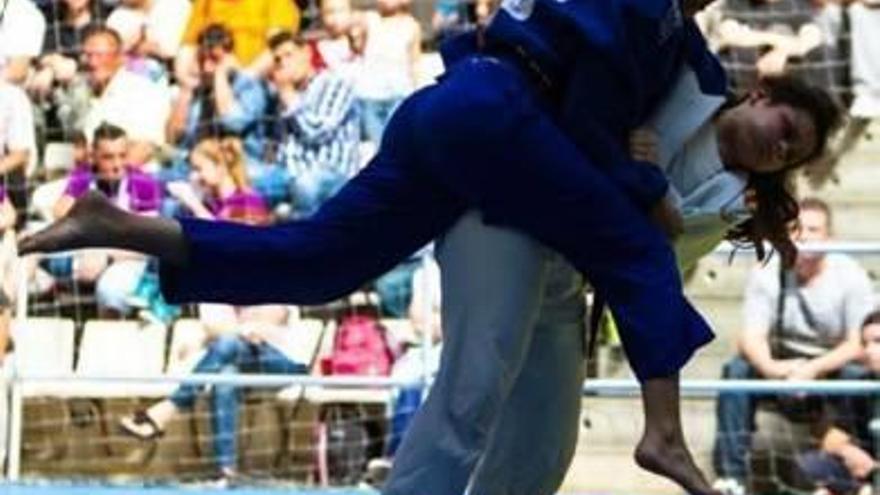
x=735, y=417
x=375, y=115
x=270, y=181
x=311, y=188
x=232, y=354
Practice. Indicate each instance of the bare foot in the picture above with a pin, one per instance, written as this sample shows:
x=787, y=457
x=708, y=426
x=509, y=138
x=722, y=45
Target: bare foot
x=668, y=456
x=92, y=222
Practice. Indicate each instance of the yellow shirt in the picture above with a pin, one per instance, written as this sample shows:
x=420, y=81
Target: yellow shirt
x=251, y=22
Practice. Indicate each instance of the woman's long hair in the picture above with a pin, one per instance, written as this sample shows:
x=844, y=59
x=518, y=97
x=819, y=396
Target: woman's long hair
x=775, y=211
x=227, y=152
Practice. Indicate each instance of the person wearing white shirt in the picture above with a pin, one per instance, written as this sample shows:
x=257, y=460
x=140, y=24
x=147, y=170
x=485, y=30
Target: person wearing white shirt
x=22, y=27
x=18, y=148
x=163, y=24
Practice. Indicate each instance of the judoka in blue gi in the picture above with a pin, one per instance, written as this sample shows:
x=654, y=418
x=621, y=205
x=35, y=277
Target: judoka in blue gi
x=530, y=128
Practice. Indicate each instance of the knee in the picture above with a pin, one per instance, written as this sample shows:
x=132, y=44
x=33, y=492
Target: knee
x=226, y=348
x=737, y=368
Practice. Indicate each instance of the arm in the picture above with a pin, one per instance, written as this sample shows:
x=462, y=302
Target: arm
x=7, y=215
x=13, y=160
x=833, y=360
x=177, y=122
x=239, y=104
x=62, y=206
x=17, y=70
x=415, y=52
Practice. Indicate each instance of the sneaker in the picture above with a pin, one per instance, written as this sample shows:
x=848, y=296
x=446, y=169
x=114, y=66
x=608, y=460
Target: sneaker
x=729, y=486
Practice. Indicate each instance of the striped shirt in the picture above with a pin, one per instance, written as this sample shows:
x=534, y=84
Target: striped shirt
x=321, y=130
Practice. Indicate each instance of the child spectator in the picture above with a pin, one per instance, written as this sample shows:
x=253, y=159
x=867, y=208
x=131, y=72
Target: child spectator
x=389, y=68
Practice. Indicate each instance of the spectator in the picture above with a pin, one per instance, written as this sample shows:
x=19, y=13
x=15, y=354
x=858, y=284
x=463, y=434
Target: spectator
x=129, y=25
x=221, y=98
x=69, y=22
x=219, y=172
x=317, y=130
x=161, y=25
x=758, y=38
x=390, y=64
x=22, y=27
x=241, y=339
x=116, y=272
x=337, y=46
x=18, y=146
x=843, y=463
x=110, y=93
x=251, y=23
x=864, y=18
x=801, y=324
x=424, y=313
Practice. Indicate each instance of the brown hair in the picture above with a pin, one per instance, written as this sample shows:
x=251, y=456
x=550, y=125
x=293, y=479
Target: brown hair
x=777, y=209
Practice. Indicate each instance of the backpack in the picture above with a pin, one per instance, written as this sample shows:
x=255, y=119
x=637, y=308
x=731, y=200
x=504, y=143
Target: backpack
x=360, y=347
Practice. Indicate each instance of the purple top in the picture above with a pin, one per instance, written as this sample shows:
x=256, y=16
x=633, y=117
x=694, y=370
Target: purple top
x=137, y=192
x=241, y=206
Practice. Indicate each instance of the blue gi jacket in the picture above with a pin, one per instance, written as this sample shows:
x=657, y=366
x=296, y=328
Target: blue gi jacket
x=612, y=62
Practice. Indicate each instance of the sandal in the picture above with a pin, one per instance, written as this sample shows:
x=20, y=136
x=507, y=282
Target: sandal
x=136, y=424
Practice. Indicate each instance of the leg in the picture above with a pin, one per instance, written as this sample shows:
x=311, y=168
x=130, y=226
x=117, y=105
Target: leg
x=378, y=218
x=735, y=416
x=531, y=447
x=662, y=449
x=487, y=323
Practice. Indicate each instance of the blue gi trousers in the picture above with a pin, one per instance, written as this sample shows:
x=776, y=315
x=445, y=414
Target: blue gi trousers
x=480, y=138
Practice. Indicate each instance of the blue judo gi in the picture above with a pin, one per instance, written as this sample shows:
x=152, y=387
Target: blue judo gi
x=550, y=162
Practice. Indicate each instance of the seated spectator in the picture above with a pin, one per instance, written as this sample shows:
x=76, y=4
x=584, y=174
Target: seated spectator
x=317, y=124
x=22, y=27
x=389, y=67
x=130, y=26
x=116, y=273
x=107, y=92
x=161, y=25
x=843, y=463
x=219, y=98
x=801, y=324
x=218, y=171
x=18, y=146
x=241, y=339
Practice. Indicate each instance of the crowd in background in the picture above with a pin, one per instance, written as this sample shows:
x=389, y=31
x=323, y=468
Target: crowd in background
x=258, y=111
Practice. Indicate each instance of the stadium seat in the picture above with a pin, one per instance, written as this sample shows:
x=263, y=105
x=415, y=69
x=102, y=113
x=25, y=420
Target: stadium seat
x=115, y=348
x=43, y=346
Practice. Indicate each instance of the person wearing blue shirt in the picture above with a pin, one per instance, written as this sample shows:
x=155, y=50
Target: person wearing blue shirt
x=529, y=126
